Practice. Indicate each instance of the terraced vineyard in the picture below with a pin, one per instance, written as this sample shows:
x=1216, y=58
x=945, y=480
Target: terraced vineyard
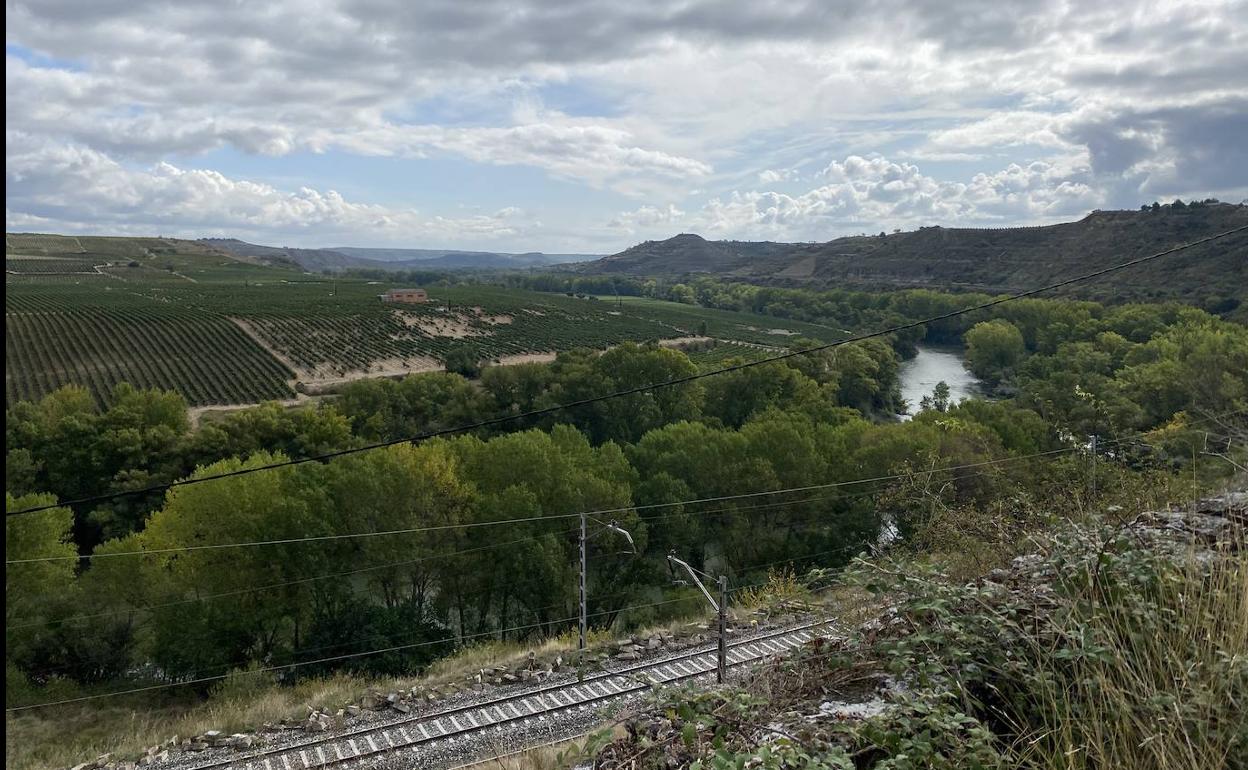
x=44, y=265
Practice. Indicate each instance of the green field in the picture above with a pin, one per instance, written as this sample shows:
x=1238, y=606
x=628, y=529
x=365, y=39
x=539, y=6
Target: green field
x=179, y=315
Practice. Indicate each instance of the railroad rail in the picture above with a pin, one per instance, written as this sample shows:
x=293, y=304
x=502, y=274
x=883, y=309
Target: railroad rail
x=450, y=724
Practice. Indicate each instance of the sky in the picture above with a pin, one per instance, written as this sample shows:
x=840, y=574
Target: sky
x=587, y=127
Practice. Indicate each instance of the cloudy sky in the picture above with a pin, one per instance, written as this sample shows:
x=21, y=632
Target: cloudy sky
x=520, y=126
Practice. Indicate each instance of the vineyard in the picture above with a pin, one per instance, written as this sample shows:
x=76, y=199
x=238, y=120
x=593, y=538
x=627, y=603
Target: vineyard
x=722, y=353
x=334, y=330
x=721, y=324
x=179, y=315
x=48, y=265
x=60, y=336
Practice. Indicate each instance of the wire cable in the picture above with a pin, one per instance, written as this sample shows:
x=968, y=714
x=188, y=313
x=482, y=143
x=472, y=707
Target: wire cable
x=331, y=659
x=628, y=391
x=550, y=517
x=524, y=520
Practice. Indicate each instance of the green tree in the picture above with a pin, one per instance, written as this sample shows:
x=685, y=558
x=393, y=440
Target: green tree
x=993, y=348
x=275, y=505
x=39, y=592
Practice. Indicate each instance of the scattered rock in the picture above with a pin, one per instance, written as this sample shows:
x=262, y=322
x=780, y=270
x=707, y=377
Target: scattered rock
x=401, y=707
x=353, y=710
x=628, y=656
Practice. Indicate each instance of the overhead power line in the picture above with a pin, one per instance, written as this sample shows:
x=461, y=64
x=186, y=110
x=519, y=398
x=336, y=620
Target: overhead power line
x=598, y=512
x=528, y=519
x=627, y=391
x=396, y=648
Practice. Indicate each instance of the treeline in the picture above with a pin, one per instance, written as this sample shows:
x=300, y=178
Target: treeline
x=188, y=614
x=453, y=572
x=64, y=445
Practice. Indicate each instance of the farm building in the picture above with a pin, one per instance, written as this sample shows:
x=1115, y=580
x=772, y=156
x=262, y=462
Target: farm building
x=410, y=296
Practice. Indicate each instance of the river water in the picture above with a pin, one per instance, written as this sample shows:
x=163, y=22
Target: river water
x=930, y=365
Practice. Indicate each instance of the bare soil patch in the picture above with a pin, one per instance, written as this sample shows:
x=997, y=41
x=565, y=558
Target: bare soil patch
x=680, y=342
x=321, y=379
x=526, y=358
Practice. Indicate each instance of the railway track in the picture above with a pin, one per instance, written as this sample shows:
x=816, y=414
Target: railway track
x=426, y=730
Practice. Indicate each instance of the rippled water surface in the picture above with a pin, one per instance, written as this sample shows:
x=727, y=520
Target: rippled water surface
x=920, y=374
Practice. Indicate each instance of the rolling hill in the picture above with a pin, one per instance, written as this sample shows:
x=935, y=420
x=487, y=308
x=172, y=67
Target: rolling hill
x=340, y=258
x=995, y=260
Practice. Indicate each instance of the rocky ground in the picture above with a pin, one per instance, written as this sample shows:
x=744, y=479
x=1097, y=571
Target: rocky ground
x=817, y=697
x=377, y=708
x=854, y=696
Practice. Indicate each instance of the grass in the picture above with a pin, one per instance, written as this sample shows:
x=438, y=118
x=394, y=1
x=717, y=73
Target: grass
x=1113, y=645
x=64, y=736
x=75, y=733
x=1161, y=680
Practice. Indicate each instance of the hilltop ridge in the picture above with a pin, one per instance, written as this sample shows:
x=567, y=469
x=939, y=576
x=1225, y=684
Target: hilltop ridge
x=987, y=259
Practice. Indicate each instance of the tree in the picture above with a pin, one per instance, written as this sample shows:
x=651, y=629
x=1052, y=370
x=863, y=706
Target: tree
x=464, y=360
x=940, y=396
x=40, y=591
x=993, y=348
x=281, y=504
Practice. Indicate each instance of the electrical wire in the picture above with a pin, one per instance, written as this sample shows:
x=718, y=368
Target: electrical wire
x=550, y=517
x=524, y=520
x=628, y=391
x=331, y=659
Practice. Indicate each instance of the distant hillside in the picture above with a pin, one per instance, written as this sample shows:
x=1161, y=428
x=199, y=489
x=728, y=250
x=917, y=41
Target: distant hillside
x=343, y=258
x=451, y=258
x=313, y=260
x=158, y=252
x=993, y=260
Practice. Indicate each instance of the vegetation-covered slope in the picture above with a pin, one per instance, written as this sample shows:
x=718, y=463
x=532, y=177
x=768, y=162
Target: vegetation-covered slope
x=996, y=260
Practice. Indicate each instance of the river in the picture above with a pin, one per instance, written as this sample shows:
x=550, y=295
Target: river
x=929, y=366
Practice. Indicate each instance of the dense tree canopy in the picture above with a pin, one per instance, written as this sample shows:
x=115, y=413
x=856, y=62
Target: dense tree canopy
x=478, y=531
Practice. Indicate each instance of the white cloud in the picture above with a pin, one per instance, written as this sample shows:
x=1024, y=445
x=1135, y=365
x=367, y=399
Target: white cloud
x=771, y=175
x=870, y=194
x=1120, y=102
x=76, y=188
x=1000, y=130
x=586, y=152
x=647, y=218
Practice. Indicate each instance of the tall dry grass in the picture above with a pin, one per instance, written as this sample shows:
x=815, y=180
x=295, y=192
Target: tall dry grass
x=1160, y=679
